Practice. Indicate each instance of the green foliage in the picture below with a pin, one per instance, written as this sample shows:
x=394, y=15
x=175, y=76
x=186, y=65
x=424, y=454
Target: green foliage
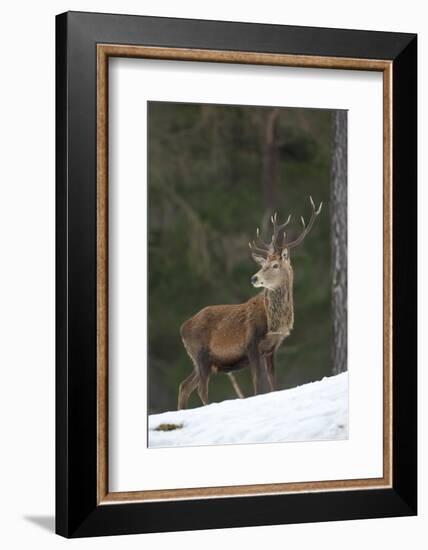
x=205, y=202
x=168, y=427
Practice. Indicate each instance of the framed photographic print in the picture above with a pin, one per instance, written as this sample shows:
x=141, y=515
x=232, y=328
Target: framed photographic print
x=236, y=274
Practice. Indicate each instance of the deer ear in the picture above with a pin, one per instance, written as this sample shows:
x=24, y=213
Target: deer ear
x=259, y=259
x=285, y=254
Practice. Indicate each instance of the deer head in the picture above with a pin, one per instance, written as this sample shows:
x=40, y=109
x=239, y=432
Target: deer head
x=274, y=257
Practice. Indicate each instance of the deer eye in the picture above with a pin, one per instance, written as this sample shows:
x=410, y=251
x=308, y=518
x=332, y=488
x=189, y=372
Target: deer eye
x=275, y=266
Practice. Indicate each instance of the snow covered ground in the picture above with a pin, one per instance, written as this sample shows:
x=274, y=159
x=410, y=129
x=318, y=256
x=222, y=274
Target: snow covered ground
x=316, y=411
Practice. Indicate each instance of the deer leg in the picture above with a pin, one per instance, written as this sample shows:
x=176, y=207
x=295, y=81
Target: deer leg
x=204, y=373
x=256, y=372
x=203, y=365
x=235, y=385
x=186, y=388
x=270, y=370
x=204, y=380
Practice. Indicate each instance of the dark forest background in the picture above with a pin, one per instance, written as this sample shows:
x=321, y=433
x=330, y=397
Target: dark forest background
x=215, y=174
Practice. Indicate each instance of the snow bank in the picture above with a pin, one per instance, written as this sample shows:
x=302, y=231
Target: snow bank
x=316, y=411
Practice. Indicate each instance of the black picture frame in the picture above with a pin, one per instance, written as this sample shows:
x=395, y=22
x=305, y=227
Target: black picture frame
x=77, y=512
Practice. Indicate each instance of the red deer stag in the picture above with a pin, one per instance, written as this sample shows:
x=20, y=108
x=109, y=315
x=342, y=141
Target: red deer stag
x=226, y=338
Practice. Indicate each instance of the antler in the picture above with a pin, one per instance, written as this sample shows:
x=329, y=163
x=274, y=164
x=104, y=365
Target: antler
x=265, y=249
x=277, y=229
x=260, y=248
x=306, y=228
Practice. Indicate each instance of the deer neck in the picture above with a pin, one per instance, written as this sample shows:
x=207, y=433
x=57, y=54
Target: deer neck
x=280, y=309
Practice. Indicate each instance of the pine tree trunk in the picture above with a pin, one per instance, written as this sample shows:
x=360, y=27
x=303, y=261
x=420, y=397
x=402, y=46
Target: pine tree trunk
x=339, y=232
x=270, y=160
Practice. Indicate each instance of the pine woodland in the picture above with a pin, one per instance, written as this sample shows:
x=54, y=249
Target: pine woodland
x=215, y=174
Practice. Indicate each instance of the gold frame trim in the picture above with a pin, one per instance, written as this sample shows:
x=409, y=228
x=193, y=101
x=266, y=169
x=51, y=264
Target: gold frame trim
x=104, y=51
